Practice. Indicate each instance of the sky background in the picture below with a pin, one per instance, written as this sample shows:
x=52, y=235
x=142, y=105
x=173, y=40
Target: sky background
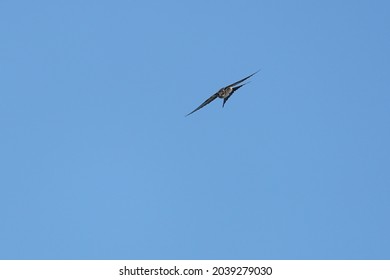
x=98, y=160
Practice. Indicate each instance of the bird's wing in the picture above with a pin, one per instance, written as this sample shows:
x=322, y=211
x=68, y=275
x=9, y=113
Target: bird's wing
x=211, y=98
x=240, y=81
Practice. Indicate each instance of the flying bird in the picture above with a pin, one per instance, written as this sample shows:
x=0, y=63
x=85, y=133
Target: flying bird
x=224, y=93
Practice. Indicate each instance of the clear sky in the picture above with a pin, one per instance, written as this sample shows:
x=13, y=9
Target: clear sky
x=98, y=160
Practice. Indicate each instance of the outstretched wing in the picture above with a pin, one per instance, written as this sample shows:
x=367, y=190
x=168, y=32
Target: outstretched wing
x=240, y=81
x=211, y=98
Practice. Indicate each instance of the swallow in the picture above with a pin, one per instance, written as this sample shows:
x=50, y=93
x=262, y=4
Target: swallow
x=224, y=93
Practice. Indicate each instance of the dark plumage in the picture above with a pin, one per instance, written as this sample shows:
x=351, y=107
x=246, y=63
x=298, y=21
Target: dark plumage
x=224, y=93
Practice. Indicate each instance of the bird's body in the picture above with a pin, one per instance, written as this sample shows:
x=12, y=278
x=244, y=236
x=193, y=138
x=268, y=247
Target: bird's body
x=225, y=93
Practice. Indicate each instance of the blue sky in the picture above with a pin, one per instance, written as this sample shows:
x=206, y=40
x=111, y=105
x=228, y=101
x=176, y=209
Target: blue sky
x=98, y=161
